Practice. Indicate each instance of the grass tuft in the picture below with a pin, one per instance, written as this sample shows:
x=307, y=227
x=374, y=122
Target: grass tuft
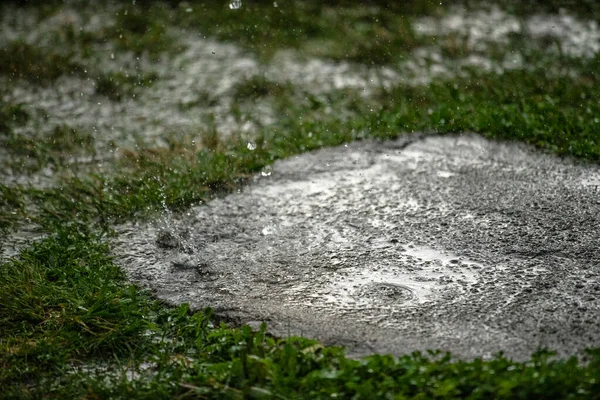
x=20, y=60
x=119, y=85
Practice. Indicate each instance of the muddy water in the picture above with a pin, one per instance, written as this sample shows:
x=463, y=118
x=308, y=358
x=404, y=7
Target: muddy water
x=455, y=243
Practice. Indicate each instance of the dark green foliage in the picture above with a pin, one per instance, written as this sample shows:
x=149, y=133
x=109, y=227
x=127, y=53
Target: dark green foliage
x=117, y=85
x=20, y=60
x=12, y=208
x=346, y=31
x=12, y=115
x=139, y=30
x=559, y=114
x=258, y=86
x=52, y=147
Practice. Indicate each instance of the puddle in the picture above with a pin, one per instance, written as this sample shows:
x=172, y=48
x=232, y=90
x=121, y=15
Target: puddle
x=421, y=274
x=429, y=254
x=591, y=181
x=577, y=38
x=382, y=246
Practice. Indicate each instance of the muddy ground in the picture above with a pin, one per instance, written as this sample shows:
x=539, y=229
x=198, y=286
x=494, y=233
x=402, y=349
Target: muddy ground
x=456, y=243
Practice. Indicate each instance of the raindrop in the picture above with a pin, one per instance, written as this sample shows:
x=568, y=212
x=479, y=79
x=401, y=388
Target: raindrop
x=267, y=171
x=235, y=4
x=251, y=146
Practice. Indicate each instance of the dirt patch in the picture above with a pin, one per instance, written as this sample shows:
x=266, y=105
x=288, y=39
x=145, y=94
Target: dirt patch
x=455, y=243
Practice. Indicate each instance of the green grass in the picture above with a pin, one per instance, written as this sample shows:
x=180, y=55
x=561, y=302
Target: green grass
x=54, y=147
x=118, y=85
x=559, y=115
x=343, y=31
x=138, y=30
x=258, y=86
x=20, y=60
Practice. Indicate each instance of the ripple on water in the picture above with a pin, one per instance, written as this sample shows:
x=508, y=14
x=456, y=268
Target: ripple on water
x=420, y=274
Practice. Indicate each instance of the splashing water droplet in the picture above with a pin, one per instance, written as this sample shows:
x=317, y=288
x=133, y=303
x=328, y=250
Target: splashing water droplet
x=251, y=146
x=235, y=4
x=267, y=171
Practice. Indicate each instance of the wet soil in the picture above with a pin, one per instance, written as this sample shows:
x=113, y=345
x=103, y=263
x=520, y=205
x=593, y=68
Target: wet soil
x=453, y=243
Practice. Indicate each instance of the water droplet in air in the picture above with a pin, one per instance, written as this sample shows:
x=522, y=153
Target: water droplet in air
x=267, y=171
x=235, y=4
x=251, y=146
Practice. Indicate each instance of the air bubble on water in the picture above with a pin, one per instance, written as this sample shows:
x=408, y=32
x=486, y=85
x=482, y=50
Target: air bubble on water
x=112, y=56
x=188, y=10
x=275, y=4
x=251, y=146
x=235, y=4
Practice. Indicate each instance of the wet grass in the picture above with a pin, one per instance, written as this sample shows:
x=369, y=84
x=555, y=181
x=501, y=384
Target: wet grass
x=12, y=208
x=341, y=31
x=71, y=326
x=12, y=115
x=20, y=60
x=118, y=85
x=559, y=115
x=140, y=31
x=258, y=86
x=64, y=304
x=54, y=147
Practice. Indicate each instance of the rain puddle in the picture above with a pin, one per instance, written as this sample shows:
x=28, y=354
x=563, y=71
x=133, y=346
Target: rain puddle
x=421, y=274
x=384, y=247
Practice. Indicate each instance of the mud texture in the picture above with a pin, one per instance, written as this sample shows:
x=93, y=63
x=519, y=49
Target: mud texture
x=452, y=243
